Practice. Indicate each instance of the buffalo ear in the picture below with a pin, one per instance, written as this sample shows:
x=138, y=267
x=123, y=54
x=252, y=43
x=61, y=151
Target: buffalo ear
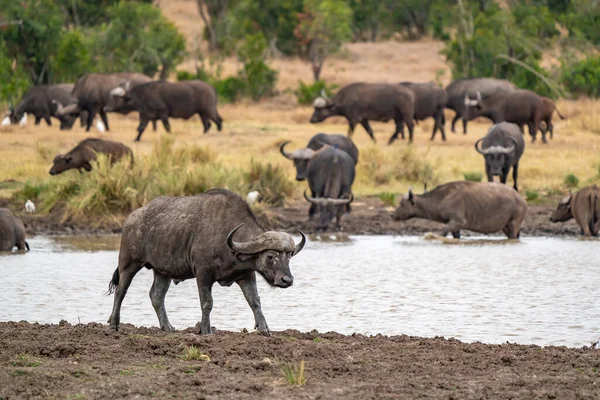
x=411, y=198
x=243, y=257
x=425, y=188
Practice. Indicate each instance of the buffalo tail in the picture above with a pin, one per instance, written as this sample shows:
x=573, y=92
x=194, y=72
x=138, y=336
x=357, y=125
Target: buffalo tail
x=114, y=282
x=559, y=114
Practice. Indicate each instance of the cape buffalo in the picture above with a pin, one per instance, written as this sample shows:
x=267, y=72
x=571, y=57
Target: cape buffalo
x=502, y=148
x=460, y=88
x=479, y=207
x=330, y=176
x=12, y=231
x=548, y=109
x=82, y=155
x=40, y=101
x=92, y=92
x=364, y=102
x=522, y=107
x=430, y=101
x=301, y=157
x=584, y=206
x=212, y=237
x=161, y=100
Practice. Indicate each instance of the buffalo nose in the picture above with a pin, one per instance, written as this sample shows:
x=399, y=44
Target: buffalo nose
x=52, y=173
x=287, y=280
x=299, y=178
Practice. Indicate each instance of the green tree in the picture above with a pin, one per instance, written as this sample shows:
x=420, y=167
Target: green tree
x=214, y=14
x=258, y=77
x=14, y=78
x=86, y=13
x=324, y=26
x=369, y=16
x=72, y=57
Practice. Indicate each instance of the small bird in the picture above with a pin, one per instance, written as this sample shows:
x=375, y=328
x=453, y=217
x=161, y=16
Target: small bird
x=252, y=196
x=23, y=120
x=100, y=127
x=30, y=207
x=6, y=121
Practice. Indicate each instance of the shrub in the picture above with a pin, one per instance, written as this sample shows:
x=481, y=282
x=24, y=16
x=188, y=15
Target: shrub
x=389, y=199
x=582, y=77
x=307, y=93
x=294, y=373
x=193, y=353
x=531, y=195
x=473, y=176
x=571, y=181
x=258, y=78
x=270, y=181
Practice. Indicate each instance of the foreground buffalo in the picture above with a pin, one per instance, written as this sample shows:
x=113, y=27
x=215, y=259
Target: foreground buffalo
x=548, y=109
x=12, y=231
x=330, y=177
x=364, y=102
x=430, y=101
x=40, y=101
x=92, y=93
x=163, y=100
x=502, y=149
x=522, y=107
x=301, y=157
x=85, y=152
x=459, y=90
x=584, y=206
x=212, y=237
x=479, y=207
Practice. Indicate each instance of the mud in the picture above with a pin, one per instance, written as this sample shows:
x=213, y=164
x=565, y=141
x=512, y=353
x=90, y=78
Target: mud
x=88, y=361
x=368, y=217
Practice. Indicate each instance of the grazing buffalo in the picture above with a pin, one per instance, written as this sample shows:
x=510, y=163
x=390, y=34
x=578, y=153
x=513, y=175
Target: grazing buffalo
x=85, y=152
x=40, y=101
x=160, y=100
x=430, y=101
x=502, y=148
x=12, y=231
x=364, y=102
x=459, y=90
x=212, y=237
x=330, y=176
x=522, y=107
x=301, y=157
x=92, y=93
x=479, y=207
x=548, y=109
x=584, y=206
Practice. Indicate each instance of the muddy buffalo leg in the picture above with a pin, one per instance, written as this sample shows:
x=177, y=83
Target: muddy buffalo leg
x=125, y=277
x=453, y=225
x=365, y=124
x=104, y=119
x=248, y=286
x=158, y=291
x=516, y=176
x=141, y=127
x=206, y=302
x=456, y=234
x=510, y=230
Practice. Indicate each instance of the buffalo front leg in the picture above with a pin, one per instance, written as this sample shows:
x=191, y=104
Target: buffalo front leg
x=453, y=226
x=153, y=126
x=206, y=302
x=516, y=176
x=125, y=276
x=104, y=119
x=365, y=124
x=454, y=121
x=351, y=126
x=248, y=286
x=165, y=122
x=48, y=120
x=141, y=128
x=158, y=291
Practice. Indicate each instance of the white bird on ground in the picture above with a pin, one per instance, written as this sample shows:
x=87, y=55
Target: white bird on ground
x=23, y=120
x=30, y=207
x=252, y=196
x=6, y=121
x=100, y=126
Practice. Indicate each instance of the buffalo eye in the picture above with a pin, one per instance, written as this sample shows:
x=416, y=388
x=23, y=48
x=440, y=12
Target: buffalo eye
x=68, y=160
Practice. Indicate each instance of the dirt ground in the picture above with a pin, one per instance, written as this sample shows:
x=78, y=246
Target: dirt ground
x=88, y=361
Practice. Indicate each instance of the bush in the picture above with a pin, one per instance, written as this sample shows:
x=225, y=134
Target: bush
x=531, y=195
x=270, y=181
x=473, y=176
x=582, y=77
x=72, y=57
x=307, y=93
x=389, y=199
x=259, y=79
x=571, y=181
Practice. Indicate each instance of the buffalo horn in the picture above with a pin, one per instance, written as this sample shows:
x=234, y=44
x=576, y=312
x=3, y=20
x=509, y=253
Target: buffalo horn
x=328, y=201
x=283, y=152
x=310, y=199
x=59, y=107
x=477, y=147
x=324, y=95
x=300, y=245
x=266, y=241
x=478, y=96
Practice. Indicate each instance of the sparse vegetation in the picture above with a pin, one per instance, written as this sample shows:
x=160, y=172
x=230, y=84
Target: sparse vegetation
x=294, y=373
x=571, y=181
x=271, y=181
x=405, y=164
x=389, y=199
x=193, y=353
x=531, y=195
x=25, y=360
x=307, y=93
x=473, y=176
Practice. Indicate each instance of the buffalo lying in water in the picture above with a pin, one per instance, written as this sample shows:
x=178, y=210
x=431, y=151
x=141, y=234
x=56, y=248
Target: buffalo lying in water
x=12, y=231
x=212, y=237
x=82, y=155
x=584, y=206
x=301, y=157
x=479, y=207
x=502, y=148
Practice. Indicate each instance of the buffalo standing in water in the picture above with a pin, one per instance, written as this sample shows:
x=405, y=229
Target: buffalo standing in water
x=12, y=231
x=82, y=155
x=502, y=149
x=584, y=206
x=301, y=157
x=212, y=237
x=479, y=207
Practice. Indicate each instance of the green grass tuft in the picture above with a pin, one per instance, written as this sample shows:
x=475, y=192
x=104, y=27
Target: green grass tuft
x=294, y=373
x=389, y=199
x=271, y=181
x=473, y=176
x=571, y=181
x=193, y=353
x=531, y=195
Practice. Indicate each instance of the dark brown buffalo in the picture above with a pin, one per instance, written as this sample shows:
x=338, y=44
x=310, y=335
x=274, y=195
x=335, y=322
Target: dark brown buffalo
x=92, y=93
x=548, y=109
x=584, y=206
x=12, y=231
x=82, y=155
x=522, y=107
x=364, y=102
x=502, y=148
x=430, y=101
x=459, y=90
x=301, y=157
x=479, y=207
x=211, y=237
x=162, y=100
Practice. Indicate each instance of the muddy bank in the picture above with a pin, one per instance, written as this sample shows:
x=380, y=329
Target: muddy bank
x=87, y=361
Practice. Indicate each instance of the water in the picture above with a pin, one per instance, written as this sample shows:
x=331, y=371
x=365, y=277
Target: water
x=539, y=290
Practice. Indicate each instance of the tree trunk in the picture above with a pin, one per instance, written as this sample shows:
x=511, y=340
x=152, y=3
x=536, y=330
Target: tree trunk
x=213, y=42
x=374, y=31
x=317, y=66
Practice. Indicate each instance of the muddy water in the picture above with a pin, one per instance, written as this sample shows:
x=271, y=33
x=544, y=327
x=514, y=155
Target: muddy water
x=538, y=290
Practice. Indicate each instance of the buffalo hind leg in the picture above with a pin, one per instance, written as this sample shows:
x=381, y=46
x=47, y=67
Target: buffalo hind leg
x=206, y=302
x=141, y=128
x=205, y=122
x=456, y=234
x=515, y=176
x=510, y=230
x=248, y=286
x=123, y=280
x=365, y=124
x=48, y=121
x=454, y=121
x=158, y=291
x=464, y=121
x=90, y=120
x=38, y=120
x=453, y=226
x=165, y=122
